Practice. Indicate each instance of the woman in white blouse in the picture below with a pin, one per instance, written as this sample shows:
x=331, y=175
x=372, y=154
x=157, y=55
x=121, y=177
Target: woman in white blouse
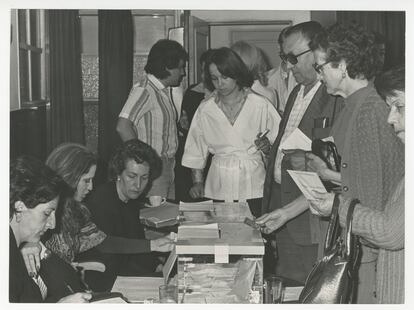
x=228, y=125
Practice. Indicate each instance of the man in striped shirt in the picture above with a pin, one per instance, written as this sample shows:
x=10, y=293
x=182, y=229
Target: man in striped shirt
x=149, y=113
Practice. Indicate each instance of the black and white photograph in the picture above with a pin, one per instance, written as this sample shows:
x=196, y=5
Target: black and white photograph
x=206, y=153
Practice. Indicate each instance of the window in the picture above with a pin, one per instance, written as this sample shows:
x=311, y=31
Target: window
x=29, y=33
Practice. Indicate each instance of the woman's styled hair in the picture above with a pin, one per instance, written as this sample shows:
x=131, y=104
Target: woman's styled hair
x=70, y=161
x=164, y=54
x=33, y=183
x=390, y=81
x=254, y=59
x=353, y=44
x=230, y=65
x=138, y=151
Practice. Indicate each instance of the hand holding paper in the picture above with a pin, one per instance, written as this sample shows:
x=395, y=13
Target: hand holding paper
x=322, y=204
x=308, y=183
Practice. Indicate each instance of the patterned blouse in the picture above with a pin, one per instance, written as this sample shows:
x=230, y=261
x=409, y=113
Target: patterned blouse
x=79, y=237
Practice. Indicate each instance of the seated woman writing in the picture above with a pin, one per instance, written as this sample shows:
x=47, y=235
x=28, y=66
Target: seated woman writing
x=34, y=197
x=76, y=164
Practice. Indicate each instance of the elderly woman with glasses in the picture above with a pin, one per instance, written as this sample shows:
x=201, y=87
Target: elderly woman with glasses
x=383, y=229
x=347, y=58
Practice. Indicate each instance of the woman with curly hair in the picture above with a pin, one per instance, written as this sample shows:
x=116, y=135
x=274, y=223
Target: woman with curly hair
x=384, y=229
x=115, y=208
x=255, y=61
x=347, y=58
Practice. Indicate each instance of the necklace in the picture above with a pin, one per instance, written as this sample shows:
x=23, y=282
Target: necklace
x=231, y=109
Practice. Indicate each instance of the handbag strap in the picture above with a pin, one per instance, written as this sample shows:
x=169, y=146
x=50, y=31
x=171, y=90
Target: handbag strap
x=348, y=227
x=333, y=226
x=336, y=157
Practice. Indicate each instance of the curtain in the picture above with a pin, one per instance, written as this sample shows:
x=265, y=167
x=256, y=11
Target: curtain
x=115, y=76
x=391, y=24
x=66, y=105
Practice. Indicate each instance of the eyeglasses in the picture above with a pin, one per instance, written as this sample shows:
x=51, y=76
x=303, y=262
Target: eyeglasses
x=318, y=68
x=293, y=59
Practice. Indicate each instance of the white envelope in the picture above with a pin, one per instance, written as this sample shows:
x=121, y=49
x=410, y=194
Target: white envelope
x=296, y=140
x=307, y=182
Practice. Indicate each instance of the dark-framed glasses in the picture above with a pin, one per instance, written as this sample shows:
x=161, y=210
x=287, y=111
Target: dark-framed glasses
x=318, y=68
x=293, y=59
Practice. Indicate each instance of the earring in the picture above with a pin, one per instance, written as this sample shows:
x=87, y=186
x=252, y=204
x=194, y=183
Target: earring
x=118, y=178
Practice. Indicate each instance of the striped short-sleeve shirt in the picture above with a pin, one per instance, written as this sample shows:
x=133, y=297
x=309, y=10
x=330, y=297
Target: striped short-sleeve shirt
x=150, y=109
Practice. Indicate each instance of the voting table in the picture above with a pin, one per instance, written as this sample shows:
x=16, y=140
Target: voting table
x=219, y=257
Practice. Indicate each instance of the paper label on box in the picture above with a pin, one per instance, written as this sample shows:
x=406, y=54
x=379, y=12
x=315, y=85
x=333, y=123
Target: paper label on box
x=221, y=253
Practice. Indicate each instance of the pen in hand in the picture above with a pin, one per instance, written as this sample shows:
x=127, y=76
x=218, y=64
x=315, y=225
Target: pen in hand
x=252, y=149
x=263, y=134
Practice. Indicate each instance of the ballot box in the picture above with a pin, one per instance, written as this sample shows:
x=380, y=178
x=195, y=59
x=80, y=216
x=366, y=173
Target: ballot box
x=219, y=257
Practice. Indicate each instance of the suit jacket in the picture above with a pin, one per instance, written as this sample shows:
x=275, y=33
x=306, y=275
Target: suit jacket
x=276, y=196
x=21, y=287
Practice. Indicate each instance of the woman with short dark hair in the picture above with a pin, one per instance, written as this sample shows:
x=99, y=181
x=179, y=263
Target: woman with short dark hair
x=34, y=194
x=347, y=59
x=227, y=125
x=384, y=229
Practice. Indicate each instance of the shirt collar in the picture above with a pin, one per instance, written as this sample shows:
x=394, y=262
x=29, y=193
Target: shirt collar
x=156, y=81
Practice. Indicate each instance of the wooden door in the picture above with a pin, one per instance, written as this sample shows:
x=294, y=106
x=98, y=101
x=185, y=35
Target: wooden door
x=197, y=41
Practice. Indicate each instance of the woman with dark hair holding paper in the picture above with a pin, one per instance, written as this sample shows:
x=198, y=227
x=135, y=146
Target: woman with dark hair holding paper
x=227, y=125
x=383, y=229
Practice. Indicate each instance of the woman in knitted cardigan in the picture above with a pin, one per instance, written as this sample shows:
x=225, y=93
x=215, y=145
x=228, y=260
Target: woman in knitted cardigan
x=383, y=229
x=347, y=60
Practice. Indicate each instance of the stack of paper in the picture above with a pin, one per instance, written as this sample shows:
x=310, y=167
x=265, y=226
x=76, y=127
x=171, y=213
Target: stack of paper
x=210, y=231
x=137, y=289
x=162, y=216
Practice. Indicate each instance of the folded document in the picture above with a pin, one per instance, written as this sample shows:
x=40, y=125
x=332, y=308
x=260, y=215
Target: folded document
x=307, y=182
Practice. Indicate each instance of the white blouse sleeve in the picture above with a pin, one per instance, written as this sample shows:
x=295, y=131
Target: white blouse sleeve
x=196, y=148
x=273, y=122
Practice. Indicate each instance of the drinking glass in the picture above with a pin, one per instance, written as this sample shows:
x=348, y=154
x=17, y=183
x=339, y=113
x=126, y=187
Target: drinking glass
x=274, y=290
x=168, y=294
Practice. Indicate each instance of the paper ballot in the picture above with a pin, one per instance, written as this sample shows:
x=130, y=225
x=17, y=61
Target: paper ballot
x=307, y=182
x=296, y=140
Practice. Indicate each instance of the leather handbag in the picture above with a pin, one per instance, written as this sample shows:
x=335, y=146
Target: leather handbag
x=326, y=150
x=334, y=279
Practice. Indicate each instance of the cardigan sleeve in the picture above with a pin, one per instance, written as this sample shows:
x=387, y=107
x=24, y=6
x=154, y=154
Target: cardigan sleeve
x=376, y=153
x=384, y=229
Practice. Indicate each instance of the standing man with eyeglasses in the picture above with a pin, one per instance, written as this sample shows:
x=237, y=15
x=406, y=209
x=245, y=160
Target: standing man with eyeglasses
x=297, y=240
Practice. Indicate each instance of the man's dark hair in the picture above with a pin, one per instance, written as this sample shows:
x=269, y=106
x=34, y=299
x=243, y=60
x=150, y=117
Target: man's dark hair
x=164, y=54
x=308, y=30
x=282, y=36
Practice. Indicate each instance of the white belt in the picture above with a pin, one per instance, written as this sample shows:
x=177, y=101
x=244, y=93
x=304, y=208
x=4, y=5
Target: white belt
x=229, y=174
